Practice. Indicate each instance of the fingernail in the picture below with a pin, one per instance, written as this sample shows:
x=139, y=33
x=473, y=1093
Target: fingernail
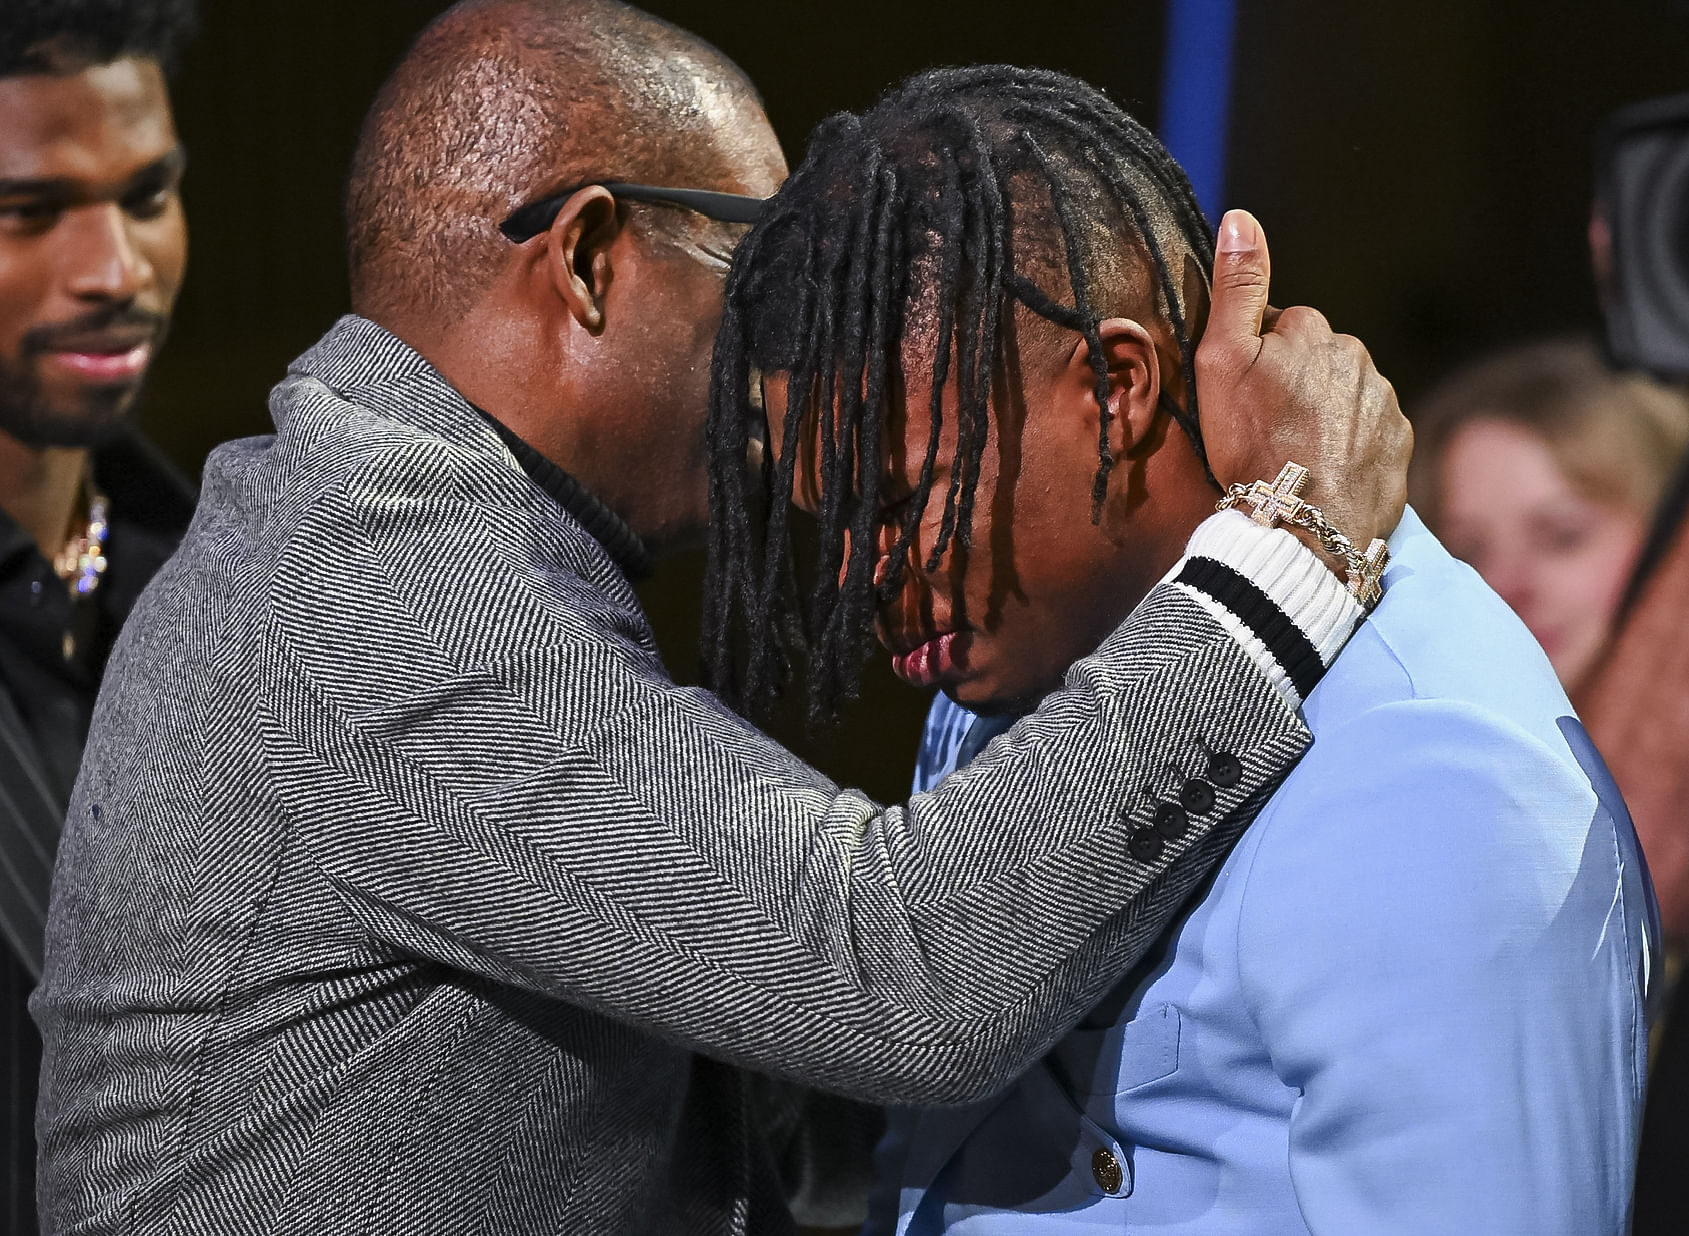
x=1238, y=232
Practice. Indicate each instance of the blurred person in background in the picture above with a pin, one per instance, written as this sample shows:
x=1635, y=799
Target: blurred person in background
x=1542, y=468
x=92, y=249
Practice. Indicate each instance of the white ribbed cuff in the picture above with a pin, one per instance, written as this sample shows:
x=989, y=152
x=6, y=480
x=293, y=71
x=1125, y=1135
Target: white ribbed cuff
x=1295, y=619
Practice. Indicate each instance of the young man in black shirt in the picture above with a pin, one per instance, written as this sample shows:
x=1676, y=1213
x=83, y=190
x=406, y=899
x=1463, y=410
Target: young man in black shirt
x=92, y=249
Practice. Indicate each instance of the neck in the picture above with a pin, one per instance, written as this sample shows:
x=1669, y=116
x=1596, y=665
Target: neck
x=635, y=475
x=39, y=489
x=1163, y=499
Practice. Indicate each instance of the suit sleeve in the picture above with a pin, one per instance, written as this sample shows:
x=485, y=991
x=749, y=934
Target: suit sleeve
x=1443, y=965
x=507, y=783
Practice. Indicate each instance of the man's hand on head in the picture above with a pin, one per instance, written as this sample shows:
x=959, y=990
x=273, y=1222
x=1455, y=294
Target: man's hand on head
x=1278, y=385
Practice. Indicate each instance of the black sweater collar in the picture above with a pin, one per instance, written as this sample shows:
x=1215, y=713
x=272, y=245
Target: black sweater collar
x=621, y=542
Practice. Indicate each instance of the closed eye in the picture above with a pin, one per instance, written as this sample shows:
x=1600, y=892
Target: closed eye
x=148, y=201
x=31, y=214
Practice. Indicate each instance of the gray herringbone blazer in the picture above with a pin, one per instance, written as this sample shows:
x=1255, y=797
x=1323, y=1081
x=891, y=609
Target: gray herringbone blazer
x=402, y=892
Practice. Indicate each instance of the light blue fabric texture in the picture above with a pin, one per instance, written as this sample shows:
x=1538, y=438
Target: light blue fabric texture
x=941, y=743
x=1410, y=1002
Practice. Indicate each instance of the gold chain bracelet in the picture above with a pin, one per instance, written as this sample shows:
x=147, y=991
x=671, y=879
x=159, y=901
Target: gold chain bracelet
x=1281, y=502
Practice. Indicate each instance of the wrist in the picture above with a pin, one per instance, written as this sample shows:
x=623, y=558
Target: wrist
x=1335, y=563
x=1281, y=504
x=1274, y=594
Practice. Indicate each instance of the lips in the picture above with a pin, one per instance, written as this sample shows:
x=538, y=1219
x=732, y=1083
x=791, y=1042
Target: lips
x=930, y=663
x=102, y=349
x=103, y=362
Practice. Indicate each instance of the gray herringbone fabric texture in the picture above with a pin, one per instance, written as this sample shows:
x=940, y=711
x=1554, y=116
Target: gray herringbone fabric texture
x=402, y=892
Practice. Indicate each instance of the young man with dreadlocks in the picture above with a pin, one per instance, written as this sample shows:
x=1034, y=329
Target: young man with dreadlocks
x=1412, y=998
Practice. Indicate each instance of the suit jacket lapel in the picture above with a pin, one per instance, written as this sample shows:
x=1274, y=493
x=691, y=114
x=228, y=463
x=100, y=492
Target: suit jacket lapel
x=30, y=821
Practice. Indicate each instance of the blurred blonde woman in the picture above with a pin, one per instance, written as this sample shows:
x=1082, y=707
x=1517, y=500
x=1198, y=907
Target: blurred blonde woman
x=1542, y=468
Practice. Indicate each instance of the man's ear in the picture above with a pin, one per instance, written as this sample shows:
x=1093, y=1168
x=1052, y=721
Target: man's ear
x=577, y=248
x=1134, y=382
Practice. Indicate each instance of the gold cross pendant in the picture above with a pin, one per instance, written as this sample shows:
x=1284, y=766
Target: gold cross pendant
x=1279, y=501
x=1366, y=577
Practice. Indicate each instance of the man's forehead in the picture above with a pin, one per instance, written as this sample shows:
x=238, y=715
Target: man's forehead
x=101, y=122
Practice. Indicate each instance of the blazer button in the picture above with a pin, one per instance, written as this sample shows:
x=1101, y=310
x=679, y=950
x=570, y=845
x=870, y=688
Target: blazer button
x=1171, y=820
x=1225, y=769
x=1105, y=1168
x=1197, y=797
x=1144, y=844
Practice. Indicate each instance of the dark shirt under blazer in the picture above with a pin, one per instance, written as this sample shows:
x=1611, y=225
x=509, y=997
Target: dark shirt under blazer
x=53, y=648
x=403, y=892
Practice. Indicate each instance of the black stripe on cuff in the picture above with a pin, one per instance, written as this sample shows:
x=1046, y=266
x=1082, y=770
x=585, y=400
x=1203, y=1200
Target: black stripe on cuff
x=1287, y=642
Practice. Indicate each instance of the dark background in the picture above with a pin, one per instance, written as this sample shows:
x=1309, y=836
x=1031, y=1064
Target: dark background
x=1422, y=171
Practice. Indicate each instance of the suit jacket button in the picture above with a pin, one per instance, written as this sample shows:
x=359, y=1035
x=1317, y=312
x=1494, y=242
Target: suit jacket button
x=1171, y=820
x=1105, y=1168
x=1197, y=796
x=1145, y=844
x=1225, y=769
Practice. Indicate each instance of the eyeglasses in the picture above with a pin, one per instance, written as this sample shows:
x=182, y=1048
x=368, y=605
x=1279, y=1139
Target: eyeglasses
x=527, y=222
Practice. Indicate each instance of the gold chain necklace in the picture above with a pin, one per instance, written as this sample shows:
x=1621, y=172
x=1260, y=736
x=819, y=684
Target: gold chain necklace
x=82, y=562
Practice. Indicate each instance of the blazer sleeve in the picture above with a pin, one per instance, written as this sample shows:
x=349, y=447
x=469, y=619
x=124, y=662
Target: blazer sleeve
x=1444, y=965
x=507, y=783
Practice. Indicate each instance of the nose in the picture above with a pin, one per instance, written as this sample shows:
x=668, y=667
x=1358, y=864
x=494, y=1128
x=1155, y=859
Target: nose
x=886, y=536
x=105, y=262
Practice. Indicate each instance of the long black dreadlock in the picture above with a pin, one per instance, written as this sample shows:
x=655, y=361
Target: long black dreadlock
x=909, y=204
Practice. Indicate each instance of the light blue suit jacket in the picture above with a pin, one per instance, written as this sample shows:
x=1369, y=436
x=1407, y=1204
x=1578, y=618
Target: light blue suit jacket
x=1410, y=1002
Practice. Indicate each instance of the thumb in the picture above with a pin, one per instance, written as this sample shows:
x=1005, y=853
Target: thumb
x=1241, y=273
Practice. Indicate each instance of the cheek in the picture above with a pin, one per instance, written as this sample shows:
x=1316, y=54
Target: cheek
x=677, y=326
x=691, y=320
x=23, y=280
x=704, y=301
x=1039, y=601
x=164, y=241
x=1594, y=579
